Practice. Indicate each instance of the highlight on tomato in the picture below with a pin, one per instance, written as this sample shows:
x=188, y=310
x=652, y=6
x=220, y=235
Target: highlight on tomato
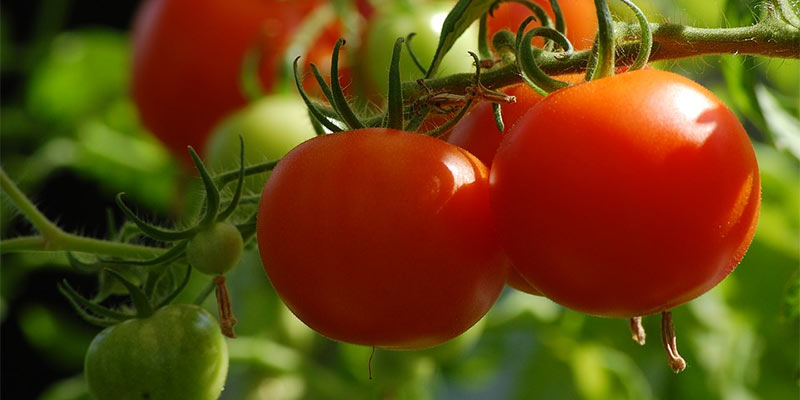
x=381, y=238
x=626, y=196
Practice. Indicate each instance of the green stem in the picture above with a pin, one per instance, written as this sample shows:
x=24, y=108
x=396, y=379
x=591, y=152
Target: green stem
x=69, y=242
x=53, y=238
x=605, y=41
x=769, y=38
x=27, y=208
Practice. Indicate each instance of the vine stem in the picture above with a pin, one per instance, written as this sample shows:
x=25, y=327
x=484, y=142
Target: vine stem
x=770, y=37
x=53, y=238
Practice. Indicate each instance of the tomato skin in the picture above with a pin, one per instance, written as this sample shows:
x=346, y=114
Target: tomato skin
x=177, y=353
x=186, y=76
x=381, y=238
x=215, y=250
x=628, y=195
x=579, y=17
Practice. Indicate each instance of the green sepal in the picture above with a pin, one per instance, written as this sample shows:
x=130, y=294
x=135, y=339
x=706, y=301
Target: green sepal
x=451, y=122
x=527, y=63
x=237, y=193
x=498, y=117
x=143, y=307
x=82, y=304
x=483, y=38
x=311, y=107
x=413, y=55
x=318, y=129
x=339, y=101
x=230, y=176
x=212, y=192
x=521, y=32
x=646, y=45
x=605, y=41
x=326, y=90
x=415, y=121
x=153, y=231
x=150, y=284
x=394, y=109
x=560, y=25
x=538, y=11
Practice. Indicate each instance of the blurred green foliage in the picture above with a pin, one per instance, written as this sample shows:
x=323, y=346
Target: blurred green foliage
x=741, y=340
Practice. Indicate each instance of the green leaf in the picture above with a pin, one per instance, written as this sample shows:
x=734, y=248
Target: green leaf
x=458, y=20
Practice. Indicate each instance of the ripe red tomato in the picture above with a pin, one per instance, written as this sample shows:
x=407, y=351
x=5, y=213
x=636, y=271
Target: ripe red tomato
x=579, y=17
x=381, y=238
x=628, y=195
x=187, y=58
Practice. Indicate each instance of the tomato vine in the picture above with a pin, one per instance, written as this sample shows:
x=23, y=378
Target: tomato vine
x=213, y=243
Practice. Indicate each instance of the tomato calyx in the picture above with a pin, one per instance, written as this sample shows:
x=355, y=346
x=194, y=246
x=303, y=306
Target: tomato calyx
x=144, y=303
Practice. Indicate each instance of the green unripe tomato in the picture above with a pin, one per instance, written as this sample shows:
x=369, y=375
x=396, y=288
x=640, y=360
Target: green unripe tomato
x=424, y=19
x=270, y=127
x=177, y=353
x=216, y=250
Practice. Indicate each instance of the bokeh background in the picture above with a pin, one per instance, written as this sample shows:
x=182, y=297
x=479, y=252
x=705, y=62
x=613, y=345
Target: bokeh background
x=71, y=138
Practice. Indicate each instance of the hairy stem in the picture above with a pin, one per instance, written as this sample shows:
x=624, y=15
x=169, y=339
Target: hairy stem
x=770, y=37
x=53, y=238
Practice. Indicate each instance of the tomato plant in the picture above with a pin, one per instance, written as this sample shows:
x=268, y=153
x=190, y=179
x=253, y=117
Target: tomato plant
x=186, y=76
x=176, y=353
x=425, y=20
x=381, y=238
x=627, y=195
x=270, y=127
x=579, y=18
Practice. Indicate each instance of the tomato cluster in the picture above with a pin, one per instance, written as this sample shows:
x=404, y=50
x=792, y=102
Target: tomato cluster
x=620, y=197
x=382, y=237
